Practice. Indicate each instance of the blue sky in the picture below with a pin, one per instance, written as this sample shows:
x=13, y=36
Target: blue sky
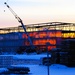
x=37, y=11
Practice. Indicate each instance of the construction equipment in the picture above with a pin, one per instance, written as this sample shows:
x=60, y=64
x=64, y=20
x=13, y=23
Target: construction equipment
x=32, y=47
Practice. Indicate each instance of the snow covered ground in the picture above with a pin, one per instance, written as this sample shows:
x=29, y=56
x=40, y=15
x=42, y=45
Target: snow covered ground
x=54, y=69
x=3, y=70
x=28, y=56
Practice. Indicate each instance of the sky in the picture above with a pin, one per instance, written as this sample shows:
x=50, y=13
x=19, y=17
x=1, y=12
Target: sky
x=37, y=11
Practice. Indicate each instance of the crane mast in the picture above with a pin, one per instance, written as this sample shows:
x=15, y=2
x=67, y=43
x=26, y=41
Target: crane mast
x=20, y=21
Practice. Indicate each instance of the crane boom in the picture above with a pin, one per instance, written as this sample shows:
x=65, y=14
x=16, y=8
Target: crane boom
x=20, y=21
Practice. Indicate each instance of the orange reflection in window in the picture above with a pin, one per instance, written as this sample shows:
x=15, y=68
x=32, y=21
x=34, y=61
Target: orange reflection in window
x=35, y=42
x=50, y=47
x=58, y=34
x=51, y=34
x=24, y=35
x=26, y=43
x=36, y=35
x=52, y=41
x=31, y=34
x=43, y=38
x=44, y=41
x=41, y=42
x=42, y=34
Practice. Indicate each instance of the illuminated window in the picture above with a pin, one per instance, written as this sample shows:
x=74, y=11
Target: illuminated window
x=58, y=34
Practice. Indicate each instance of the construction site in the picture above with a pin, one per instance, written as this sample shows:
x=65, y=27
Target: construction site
x=55, y=38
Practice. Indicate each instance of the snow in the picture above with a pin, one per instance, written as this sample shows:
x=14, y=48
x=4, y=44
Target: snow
x=3, y=70
x=27, y=56
x=55, y=69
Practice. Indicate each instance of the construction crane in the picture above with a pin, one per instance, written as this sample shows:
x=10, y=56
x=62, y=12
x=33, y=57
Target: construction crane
x=21, y=22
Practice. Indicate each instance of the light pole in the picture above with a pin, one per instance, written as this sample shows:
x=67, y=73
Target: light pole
x=47, y=44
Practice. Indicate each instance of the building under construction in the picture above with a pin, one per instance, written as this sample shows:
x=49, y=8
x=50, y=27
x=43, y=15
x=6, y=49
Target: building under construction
x=56, y=37
x=14, y=39
x=34, y=36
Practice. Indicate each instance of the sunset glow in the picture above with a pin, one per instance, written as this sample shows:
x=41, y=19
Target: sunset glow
x=37, y=11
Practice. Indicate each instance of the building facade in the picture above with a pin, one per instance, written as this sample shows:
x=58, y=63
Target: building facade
x=13, y=38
